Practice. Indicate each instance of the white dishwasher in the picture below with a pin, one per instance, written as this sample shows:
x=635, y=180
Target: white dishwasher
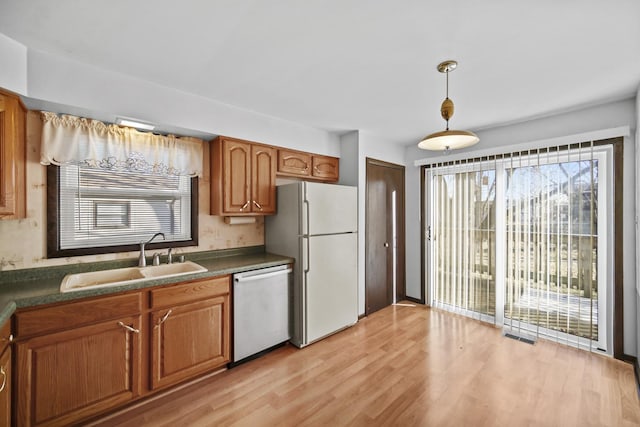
x=260, y=310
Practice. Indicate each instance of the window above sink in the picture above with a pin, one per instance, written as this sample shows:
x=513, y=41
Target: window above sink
x=109, y=187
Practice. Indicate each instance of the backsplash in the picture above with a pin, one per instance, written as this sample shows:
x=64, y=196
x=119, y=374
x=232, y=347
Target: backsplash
x=23, y=242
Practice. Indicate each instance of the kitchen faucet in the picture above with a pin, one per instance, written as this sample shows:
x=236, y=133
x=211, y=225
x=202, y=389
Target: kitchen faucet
x=142, y=259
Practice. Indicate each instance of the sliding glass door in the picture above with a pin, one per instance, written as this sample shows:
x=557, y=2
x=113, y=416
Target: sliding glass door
x=521, y=240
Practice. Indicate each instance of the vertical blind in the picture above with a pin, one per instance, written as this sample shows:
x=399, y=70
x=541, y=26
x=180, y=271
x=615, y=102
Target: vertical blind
x=464, y=238
x=551, y=241
x=537, y=271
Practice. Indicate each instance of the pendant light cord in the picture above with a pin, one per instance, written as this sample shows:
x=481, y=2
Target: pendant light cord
x=447, y=97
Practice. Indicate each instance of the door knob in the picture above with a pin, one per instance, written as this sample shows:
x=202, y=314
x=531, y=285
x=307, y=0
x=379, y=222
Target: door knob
x=386, y=245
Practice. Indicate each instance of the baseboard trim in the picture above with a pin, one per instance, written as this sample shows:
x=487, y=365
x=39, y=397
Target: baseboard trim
x=416, y=300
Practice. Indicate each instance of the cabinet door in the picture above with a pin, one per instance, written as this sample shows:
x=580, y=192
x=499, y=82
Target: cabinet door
x=5, y=388
x=75, y=374
x=325, y=168
x=12, y=157
x=294, y=163
x=188, y=340
x=237, y=177
x=263, y=179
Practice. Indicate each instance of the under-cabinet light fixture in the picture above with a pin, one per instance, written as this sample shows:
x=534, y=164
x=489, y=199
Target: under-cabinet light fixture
x=134, y=124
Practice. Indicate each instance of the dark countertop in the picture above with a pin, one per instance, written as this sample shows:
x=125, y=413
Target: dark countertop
x=33, y=287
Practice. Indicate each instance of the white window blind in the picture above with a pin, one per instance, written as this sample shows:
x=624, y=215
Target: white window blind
x=464, y=233
x=100, y=208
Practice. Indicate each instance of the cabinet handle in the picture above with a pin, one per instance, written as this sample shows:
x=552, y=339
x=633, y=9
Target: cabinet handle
x=129, y=328
x=4, y=378
x=165, y=317
x=8, y=339
x=257, y=205
x=245, y=205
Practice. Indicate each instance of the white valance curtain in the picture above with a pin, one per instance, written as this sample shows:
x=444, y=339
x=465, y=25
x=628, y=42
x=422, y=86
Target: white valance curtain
x=91, y=143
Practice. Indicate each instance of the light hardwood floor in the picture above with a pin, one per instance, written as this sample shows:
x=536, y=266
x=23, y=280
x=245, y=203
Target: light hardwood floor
x=408, y=366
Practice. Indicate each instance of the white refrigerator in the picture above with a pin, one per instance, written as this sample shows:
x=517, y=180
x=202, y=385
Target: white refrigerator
x=317, y=224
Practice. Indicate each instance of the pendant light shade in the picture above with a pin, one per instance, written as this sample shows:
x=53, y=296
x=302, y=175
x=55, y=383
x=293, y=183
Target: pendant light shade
x=448, y=139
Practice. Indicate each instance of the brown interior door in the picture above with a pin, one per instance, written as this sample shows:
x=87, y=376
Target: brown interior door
x=384, y=239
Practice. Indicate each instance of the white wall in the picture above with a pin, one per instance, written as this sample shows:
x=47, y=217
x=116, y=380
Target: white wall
x=587, y=120
x=59, y=80
x=13, y=65
x=356, y=147
x=68, y=84
x=412, y=220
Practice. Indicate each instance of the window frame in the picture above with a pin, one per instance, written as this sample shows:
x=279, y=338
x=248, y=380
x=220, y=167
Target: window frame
x=53, y=224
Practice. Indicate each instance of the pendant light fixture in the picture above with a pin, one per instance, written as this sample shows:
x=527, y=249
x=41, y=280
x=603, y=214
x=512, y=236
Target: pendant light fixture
x=448, y=139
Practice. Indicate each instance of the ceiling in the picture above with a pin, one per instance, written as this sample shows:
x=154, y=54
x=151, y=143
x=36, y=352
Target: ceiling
x=342, y=65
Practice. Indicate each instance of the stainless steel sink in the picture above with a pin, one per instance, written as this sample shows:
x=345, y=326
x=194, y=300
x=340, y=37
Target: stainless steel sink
x=123, y=276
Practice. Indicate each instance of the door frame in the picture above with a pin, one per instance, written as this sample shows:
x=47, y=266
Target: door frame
x=401, y=244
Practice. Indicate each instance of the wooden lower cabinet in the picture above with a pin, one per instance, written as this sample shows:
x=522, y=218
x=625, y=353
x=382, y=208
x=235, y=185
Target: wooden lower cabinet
x=78, y=360
x=5, y=387
x=188, y=340
x=68, y=376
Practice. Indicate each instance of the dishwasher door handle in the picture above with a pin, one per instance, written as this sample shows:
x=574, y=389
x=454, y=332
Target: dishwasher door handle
x=262, y=276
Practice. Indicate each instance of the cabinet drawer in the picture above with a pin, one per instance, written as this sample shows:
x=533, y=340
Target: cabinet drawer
x=74, y=314
x=190, y=291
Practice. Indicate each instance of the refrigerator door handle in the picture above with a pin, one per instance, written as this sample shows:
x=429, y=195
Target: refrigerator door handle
x=308, y=255
x=308, y=216
x=306, y=202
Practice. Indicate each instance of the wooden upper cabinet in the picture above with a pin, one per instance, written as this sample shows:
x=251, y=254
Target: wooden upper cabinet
x=325, y=167
x=263, y=179
x=243, y=177
x=12, y=157
x=237, y=175
x=307, y=166
x=294, y=163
